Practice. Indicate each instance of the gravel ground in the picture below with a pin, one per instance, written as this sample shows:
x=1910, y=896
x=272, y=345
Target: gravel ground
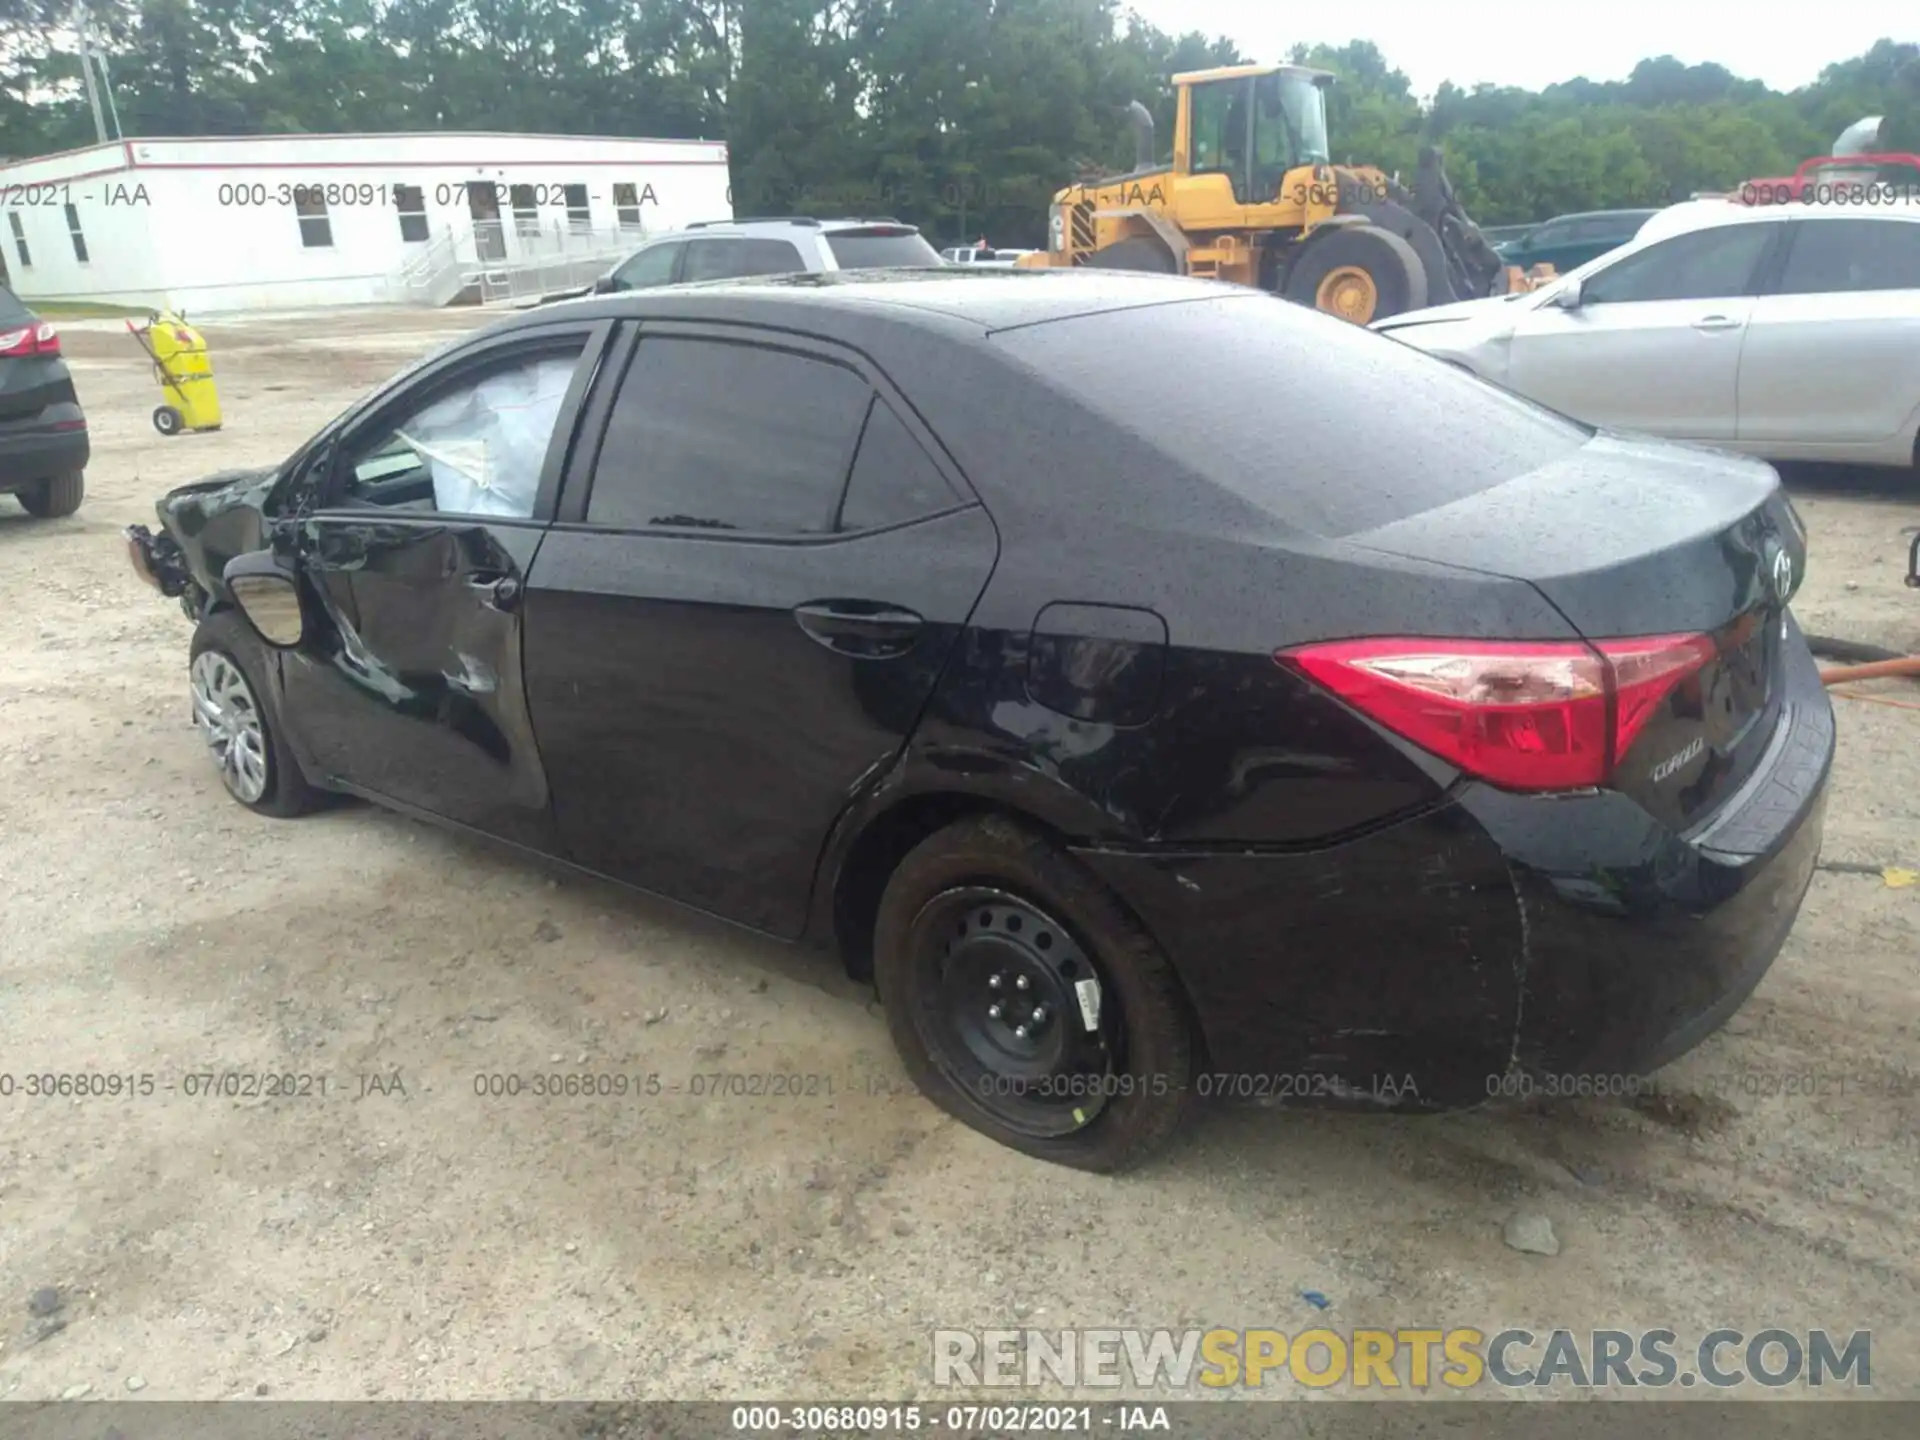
x=401, y=1236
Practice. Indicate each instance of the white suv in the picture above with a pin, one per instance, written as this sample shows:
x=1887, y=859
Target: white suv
x=1791, y=332
x=724, y=249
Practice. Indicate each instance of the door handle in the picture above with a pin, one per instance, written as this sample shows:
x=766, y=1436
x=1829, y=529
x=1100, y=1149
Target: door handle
x=502, y=592
x=1716, y=322
x=861, y=628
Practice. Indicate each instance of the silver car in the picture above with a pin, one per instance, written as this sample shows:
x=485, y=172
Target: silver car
x=1791, y=332
x=725, y=249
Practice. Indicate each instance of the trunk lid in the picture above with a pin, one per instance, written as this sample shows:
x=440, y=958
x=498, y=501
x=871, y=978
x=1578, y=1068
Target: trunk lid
x=1636, y=539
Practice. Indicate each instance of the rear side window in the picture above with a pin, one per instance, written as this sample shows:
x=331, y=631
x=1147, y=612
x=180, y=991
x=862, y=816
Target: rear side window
x=1700, y=265
x=893, y=481
x=1327, y=426
x=1832, y=256
x=652, y=266
x=887, y=246
x=719, y=435
x=720, y=259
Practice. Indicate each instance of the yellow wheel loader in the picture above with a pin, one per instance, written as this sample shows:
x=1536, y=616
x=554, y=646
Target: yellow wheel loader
x=1250, y=196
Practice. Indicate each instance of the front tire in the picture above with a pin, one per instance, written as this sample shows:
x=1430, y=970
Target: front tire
x=51, y=499
x=239, y=725
x=986, y=940
x=1359, y=273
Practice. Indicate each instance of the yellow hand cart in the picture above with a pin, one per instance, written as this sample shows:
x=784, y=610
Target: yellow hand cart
x=184, y=370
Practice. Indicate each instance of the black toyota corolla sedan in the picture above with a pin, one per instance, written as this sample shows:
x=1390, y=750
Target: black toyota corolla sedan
x=1155, y=688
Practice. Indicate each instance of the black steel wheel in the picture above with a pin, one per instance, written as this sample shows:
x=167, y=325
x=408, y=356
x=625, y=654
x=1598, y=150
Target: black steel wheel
x=1013, y=1010
x=1026, y=1002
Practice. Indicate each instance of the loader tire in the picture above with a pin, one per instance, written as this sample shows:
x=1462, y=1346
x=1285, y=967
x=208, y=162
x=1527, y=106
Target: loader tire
x=1444, y=281
x=1360, y=273
x=1134, y=254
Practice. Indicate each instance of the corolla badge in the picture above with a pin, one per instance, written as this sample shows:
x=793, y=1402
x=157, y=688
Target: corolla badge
x=1672, y=763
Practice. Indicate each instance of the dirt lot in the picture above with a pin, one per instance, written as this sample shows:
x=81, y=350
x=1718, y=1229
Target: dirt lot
x=436, y=1244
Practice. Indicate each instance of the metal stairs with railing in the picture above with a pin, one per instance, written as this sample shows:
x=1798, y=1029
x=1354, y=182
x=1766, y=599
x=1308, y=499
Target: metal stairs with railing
x=487, y=262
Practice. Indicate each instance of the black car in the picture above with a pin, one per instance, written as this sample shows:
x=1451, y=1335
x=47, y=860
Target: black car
x=1156, y=688
x=43, y=434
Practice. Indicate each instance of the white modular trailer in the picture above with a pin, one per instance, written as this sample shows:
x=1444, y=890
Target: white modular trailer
x=290, y=221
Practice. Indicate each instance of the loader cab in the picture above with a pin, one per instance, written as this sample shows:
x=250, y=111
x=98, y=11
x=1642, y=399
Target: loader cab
x=1252, y=124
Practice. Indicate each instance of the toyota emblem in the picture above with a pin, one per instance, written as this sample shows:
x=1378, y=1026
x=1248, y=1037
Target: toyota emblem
x=1783, y=574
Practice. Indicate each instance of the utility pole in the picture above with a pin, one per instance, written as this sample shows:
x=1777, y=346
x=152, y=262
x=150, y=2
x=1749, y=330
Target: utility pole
x=106, y=84
x=85, y=24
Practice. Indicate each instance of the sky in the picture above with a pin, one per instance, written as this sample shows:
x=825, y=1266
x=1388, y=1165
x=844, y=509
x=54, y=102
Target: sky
x=1467, y=41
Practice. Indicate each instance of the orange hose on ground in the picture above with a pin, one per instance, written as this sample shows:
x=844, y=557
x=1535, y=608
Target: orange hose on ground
x=1838, y=674
x=1877, y=700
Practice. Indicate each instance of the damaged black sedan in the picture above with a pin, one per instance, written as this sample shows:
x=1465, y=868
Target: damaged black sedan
x=1156, y=689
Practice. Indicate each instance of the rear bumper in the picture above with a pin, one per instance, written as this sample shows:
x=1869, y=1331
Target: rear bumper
x=1434, y=963
x=33, y=449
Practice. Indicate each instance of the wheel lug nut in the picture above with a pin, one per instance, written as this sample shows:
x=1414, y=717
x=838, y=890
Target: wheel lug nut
x=1039, y=1013
x=1021, y=983
x=1021, y=1031
x=994, y=982
x=993, y=1012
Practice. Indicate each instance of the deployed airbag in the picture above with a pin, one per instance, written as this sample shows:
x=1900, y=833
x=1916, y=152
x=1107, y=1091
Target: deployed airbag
x=485, y=444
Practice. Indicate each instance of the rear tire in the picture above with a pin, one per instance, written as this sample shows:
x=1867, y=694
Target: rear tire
x=987, y=900
x=61, y=495
x=233, y=708
x=1135, y=254
x=1359, y=273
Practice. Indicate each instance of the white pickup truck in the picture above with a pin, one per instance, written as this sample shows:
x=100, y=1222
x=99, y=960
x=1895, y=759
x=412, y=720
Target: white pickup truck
x=997, y=259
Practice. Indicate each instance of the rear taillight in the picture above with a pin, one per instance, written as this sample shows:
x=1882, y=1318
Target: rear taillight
x=39, y=338
x=1524, y=715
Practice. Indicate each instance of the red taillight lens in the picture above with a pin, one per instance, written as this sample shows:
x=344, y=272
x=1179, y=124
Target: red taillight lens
x=1525, y=715
x=39, y=338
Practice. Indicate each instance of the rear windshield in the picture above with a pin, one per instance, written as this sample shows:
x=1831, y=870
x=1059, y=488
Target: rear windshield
x=10, y=306
x=875, y=249
x=1328, y=426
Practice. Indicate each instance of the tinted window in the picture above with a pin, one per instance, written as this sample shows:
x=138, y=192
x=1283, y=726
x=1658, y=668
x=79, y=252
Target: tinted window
x=1699, y=265
x=893, y=480
x=1839, y=255
x=870, y=249
x=1377, y=432
x=11, y=308
x=723, y=436
x=719, y=258
x=652, y=266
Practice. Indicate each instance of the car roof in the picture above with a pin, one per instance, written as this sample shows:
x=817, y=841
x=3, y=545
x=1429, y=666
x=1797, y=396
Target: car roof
x=949, y=297
x=779, y=224
x=1602, y=215
x=1721, y=210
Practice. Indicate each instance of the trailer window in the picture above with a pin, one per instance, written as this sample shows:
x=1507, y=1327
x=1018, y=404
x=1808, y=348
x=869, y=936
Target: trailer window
x=73, y=230
x=411, y=202
x=20, y=240
x=310, y=205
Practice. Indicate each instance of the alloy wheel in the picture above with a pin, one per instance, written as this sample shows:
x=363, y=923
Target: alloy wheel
x=228, y=717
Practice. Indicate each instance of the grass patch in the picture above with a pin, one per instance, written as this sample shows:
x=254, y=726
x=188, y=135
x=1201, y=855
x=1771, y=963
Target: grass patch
x=84, y=310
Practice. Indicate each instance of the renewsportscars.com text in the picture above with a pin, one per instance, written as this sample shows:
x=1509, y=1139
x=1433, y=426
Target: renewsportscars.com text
x=1460, y=1358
